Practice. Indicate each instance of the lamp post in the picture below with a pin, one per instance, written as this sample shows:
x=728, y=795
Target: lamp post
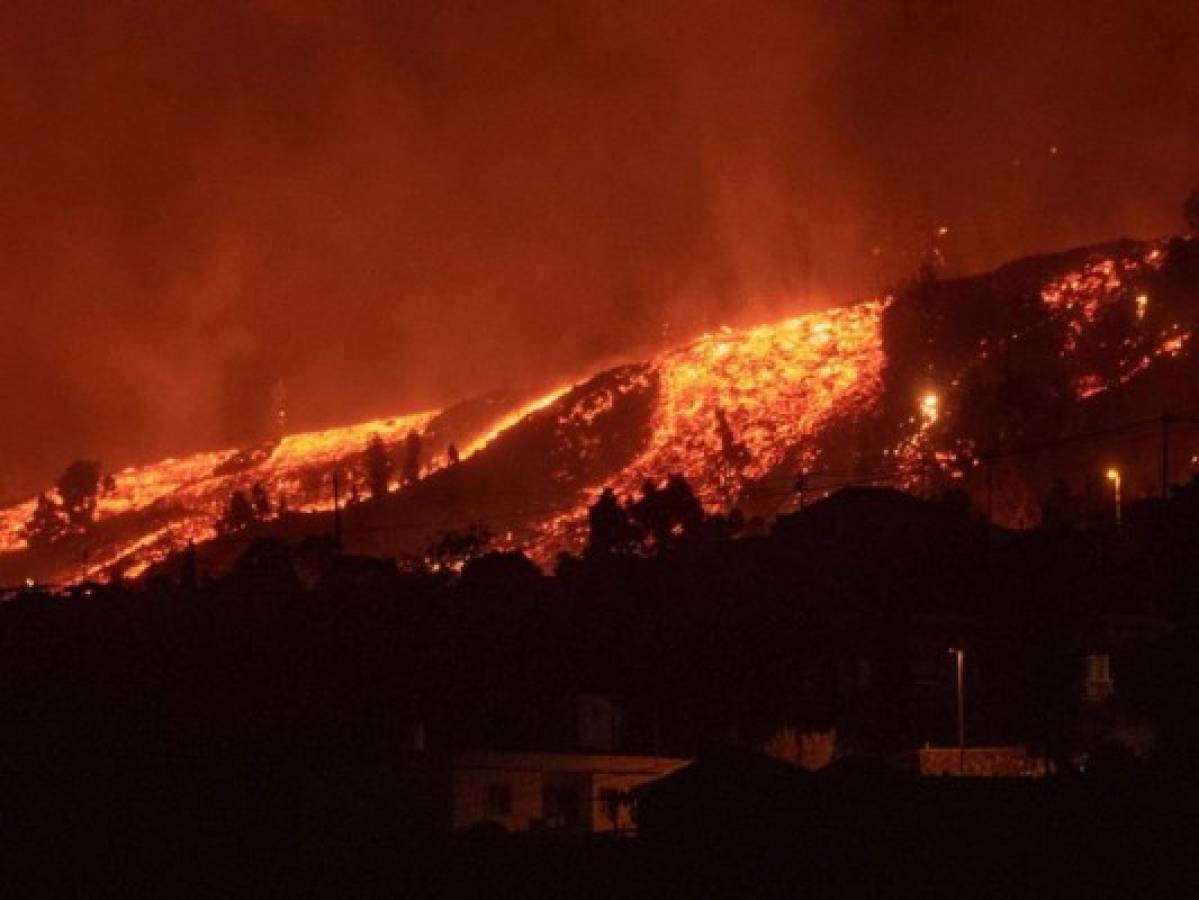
x=930, y=411
x=930, y=405
x=960, y=657
x=1113, y=475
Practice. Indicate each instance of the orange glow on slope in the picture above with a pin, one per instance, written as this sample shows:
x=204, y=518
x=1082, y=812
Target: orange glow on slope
x=512, y=418
x=12, y=524
x=1077, y=299
x=735, y=411
x=776, y=386
x=186, y=496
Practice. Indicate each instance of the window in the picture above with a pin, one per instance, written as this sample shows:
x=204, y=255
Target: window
x=497, y=800
x=1098, y=686
x=1099, y=666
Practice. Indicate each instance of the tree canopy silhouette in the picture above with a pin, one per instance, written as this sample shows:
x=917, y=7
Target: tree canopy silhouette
x=410, y=472
x=668, y=514
x=733, y=451
x=238, y=515
x=262, y=502
x=46, y=525
x=610, y=531
x=378, y=467
x=453, y=549
x=79, y=487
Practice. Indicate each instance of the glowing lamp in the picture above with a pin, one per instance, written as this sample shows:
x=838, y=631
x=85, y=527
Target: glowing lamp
x=1113, y=475
x=929, y=405
x=1142, y=302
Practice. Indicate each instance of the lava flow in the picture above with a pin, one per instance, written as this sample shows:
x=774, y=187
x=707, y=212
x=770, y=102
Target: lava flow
x=737, y=405
x=180, y=500
x=1078, y=299
x=737, y=412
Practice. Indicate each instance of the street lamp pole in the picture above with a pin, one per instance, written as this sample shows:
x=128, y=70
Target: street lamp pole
x=960, y=657
x=1113, y=475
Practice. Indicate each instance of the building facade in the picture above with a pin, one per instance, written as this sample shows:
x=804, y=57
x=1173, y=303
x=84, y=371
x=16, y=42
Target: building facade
x=528, y=791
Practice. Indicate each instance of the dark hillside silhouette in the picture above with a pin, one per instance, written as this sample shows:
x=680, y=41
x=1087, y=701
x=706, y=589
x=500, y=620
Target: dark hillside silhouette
x=231, y=698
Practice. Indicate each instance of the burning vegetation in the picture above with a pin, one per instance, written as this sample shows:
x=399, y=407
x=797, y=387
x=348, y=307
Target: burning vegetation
x=906, y=390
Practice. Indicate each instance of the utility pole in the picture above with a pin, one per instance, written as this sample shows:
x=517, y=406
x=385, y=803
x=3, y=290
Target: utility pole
x=960, y=656
x=337, y=510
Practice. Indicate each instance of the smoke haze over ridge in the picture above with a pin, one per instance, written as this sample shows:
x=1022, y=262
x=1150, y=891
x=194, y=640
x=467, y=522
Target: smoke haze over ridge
x=390, y=205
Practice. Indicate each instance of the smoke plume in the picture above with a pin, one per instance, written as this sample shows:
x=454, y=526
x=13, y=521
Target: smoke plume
x=389, y=205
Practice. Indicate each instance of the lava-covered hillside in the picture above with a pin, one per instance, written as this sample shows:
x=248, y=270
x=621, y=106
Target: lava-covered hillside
x=932, y=388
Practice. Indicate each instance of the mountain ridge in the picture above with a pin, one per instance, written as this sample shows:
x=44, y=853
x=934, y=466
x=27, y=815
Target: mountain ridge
x=912, y=390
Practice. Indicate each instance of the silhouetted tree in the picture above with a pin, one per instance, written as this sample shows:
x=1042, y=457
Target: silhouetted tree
x=1190, y=211
x=238, y=515
x=46, y=525
x=453, y=549
x=451, y=454
x=411, y=468
x=378, y=467
x=732, y=450
x=610, y=531
x=668, y=514
x=723, y=528
x=79, y=486
x=262, y=503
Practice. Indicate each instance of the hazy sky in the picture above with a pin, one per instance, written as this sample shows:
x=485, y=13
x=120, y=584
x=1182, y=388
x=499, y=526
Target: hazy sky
x=390, y=205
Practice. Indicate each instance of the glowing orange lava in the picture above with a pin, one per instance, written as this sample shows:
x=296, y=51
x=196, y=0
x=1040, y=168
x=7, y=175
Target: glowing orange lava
x=732, y=411
x=1078, y=297
x=185, y=497
x=735, y=405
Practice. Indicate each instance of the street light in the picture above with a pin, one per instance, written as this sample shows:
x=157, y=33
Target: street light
x=960, y=656
x=1113, y=475
x=929, y=408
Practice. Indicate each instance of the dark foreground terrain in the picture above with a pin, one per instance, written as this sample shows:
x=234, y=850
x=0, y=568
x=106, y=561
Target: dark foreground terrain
x=1125, y=833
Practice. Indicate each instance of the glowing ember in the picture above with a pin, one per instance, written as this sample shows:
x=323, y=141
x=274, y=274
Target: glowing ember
x=929, y=404
x=1142, y=305
x=1078, y=298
